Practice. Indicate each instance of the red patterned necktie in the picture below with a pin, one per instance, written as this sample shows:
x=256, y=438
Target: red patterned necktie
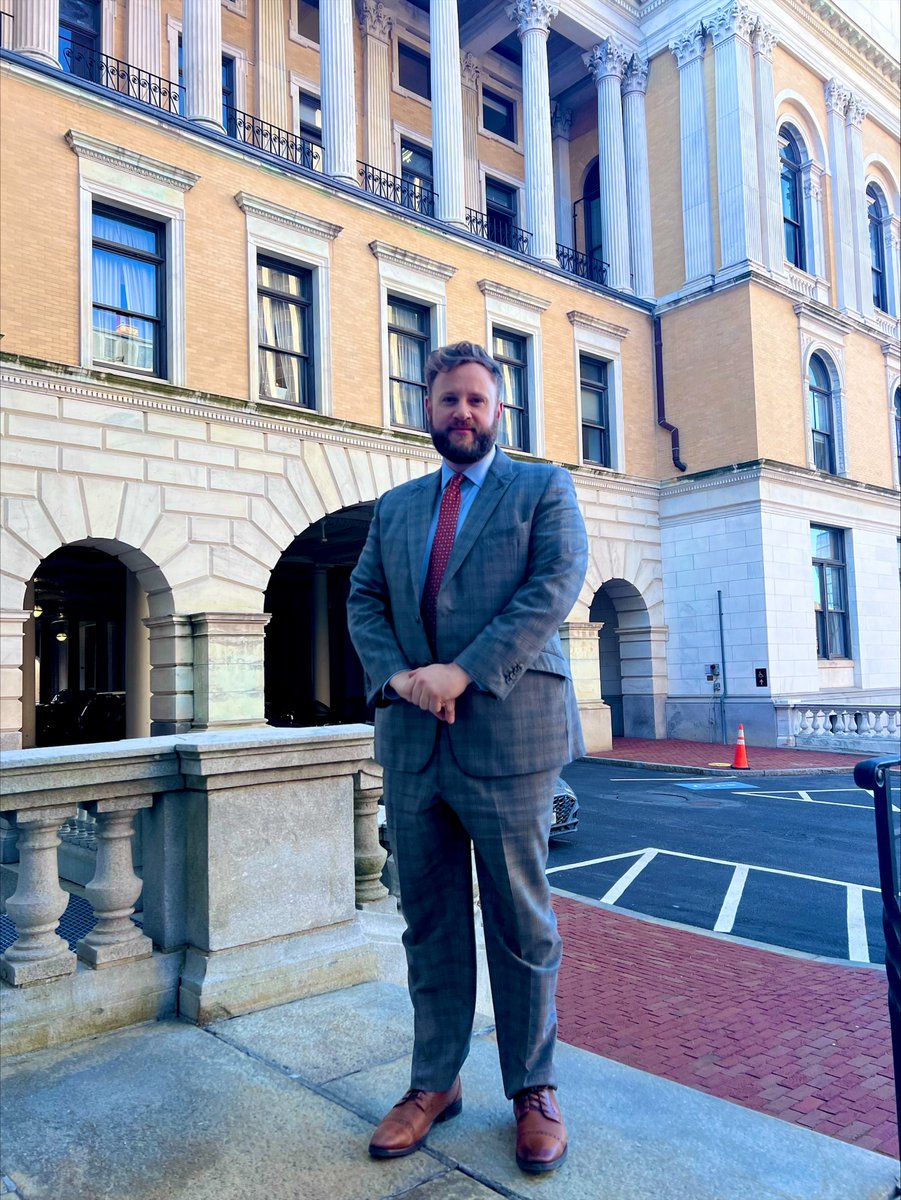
x=445, y=532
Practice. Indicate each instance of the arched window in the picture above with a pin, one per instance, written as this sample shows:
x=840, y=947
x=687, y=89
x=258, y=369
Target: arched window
x=898, y=431
x=587, y=219
x=79, y=39
x=822, y=415
x=790, y=160
x=875, y=213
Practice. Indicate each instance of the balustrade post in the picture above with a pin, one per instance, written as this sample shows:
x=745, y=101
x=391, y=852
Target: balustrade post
x=38, y=953
x=369, y=855
x=115, y=888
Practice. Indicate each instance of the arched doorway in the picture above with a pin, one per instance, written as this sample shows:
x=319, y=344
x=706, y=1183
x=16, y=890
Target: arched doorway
x=89, y=649
x=312, y=673
x=633, y=668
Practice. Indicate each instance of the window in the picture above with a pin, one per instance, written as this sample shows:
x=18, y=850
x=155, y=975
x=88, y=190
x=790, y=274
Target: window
x=308, y=20
x=587, y=221
x=821, y=415
x=415, y=172
x=897, y=415
x=830, y=592
x=875, y=213
x=510, y=350
x=128, y=290
x=413, y=73
x=500, y=201
x=229, y=112
x=790, y=163
x=310, y=125
x=408, y=348
x=595, y=419
x=285, y=332
x=79, y=38
x=498, y=115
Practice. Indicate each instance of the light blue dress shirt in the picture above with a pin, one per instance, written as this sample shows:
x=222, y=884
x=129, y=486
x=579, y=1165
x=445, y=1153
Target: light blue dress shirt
x=473, y=478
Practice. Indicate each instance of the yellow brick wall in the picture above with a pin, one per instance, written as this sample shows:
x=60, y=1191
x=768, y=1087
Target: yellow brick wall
x=870, y=442
x=665, y=164
x=781, y=395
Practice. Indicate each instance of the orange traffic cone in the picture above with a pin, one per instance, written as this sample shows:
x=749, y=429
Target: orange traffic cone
x=740, y=762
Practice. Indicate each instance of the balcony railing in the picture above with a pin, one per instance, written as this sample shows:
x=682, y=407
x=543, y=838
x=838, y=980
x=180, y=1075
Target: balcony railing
x=584, y=266
x=499, y=230
x=120, y=77
x=405, y=192
x=260, y=134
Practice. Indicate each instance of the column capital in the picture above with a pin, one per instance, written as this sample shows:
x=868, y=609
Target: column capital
x=813, y=183
x=636, y=76
x=470, y=71
x=689, y=45
x=765, y=39
x=607, y=58
x=735, y=19
x=855, y=110
x=837, y=96
x=531, y=15
x=561, y=121
x=374, y=21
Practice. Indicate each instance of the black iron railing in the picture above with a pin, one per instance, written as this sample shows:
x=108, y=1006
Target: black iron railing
x=254, y=132
x=585, y=266
x=120, y=77
x=874, y=774
x=405, y=192
x=499, y=230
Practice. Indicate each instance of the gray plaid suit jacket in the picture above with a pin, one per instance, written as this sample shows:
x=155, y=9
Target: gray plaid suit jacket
x=515, y=571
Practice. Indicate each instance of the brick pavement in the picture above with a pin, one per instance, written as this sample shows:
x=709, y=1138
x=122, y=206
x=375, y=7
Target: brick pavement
x=703, y=754
x=804, y=1040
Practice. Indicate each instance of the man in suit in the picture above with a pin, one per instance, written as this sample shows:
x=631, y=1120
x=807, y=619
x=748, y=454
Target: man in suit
x=454, y=609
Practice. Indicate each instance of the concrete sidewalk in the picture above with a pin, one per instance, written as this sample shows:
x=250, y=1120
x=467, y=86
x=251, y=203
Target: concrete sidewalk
x=280, y=1104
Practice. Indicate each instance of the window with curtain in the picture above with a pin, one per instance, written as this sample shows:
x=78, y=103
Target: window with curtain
x=595, y=420
x=822, y=414
x=415, y=174
x=79, y=38
x=511, y=352
x=409, y=339
x=128, y=290
x=285, y=332
x=414, y=71
x=830, y=592
x=876, y=209
x=790, y=160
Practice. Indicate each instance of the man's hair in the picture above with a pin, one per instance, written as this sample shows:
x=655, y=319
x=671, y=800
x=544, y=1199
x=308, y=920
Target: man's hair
x=446, y=358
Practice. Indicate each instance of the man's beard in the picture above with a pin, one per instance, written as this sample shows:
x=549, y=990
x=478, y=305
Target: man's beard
x=455, y=453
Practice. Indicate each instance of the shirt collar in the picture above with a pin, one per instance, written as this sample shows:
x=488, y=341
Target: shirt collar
x=475, y=472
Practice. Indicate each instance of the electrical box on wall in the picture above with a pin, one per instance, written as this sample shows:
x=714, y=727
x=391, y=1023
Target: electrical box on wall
x=713, y=671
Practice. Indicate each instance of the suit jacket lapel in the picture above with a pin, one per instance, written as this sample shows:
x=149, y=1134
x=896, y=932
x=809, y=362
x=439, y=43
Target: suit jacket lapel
x=498, y=479
x=421, y=508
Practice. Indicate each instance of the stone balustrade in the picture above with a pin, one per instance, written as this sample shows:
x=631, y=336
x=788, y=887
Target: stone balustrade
x=871, y=730
x=260, y=858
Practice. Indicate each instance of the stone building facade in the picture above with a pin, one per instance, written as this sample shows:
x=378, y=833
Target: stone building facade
x=231, y=232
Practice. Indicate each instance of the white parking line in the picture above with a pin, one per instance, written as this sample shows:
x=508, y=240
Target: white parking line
x=726, y=919
x=614, y=893
x=858, y=946
x=801, y=797
x=593, y=862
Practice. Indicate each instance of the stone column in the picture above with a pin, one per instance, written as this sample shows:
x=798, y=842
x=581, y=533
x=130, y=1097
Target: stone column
x=228, y=669
x=607, y=63
x=892, y=243
x=736, y=153
x=812, y=200
x=638, y=179
x=12, y=632
x=144, y=33
x=845, y=298
x=36, y=30
x=581, y=645
x=376, y=25
x=336, y=65
x=769, y=187
x=171, y=674
x=137, y=660
x=271, y=73
x=697, y=219
x=533, y=20
x=202, y=43
x=472, y=183
x=644, y=680
x=561, y=124
x=447, y=114
x=322, y=664
x=855, y=112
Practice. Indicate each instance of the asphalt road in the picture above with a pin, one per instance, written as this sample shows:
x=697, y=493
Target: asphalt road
x=785, y=860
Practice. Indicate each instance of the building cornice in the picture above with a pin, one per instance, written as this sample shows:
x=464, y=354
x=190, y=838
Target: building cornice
x=399, y=257
x=253, y=206
x=768, y=469
x=841, y=34
x=587, y=321
x=85, y=146
x=502, y=291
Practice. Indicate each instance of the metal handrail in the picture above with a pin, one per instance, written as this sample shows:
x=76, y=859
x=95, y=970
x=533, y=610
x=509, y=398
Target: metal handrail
x=501, y=232
x=418, y=197
x=263, y=136
x=121, y=77
x=873, y=774
x=584, y=266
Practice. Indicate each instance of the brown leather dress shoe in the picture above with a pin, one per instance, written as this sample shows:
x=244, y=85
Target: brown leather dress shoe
x=540, y=1132
x=407, y=1126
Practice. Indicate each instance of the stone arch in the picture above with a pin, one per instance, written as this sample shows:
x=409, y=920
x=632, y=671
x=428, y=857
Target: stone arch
x=792, y=108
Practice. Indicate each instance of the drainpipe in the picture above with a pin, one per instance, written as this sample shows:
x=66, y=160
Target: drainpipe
x=661, y=397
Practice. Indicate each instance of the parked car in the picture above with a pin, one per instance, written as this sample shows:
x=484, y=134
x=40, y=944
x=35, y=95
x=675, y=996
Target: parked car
x=74, y=716
x=566, y=809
